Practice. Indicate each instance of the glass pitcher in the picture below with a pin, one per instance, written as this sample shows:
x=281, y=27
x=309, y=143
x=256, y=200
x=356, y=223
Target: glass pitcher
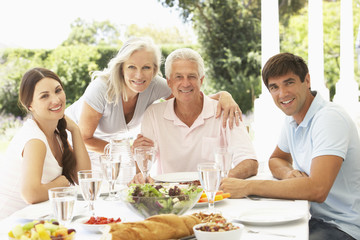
x=121, y=147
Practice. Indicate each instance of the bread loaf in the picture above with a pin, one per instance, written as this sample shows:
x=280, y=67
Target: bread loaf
x=159, y=227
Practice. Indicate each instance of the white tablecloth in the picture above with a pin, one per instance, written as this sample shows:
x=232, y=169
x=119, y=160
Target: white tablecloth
x=230, y=208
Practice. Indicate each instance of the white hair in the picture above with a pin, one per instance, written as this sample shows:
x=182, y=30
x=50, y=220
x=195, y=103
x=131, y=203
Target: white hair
x=184, y=54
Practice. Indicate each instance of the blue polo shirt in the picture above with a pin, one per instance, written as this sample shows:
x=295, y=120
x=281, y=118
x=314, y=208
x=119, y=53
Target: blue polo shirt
x=328, y=130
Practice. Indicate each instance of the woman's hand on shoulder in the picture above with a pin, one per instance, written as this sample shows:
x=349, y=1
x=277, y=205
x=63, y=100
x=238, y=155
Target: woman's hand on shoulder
x=230, y=109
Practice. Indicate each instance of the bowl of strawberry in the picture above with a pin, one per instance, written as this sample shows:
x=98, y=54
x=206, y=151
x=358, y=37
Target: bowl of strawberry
x=96, y=224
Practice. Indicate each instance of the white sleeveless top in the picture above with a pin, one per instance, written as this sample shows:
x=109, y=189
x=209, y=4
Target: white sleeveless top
x=10, y=168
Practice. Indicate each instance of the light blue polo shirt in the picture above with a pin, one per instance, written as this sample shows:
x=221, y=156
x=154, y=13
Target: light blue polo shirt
x=328, y=130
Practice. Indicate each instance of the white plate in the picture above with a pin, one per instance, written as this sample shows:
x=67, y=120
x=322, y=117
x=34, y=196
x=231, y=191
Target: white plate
x=269, y=216
x=177, y=177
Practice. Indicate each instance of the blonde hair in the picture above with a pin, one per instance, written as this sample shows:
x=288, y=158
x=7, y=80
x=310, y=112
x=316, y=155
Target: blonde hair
x=113, y=74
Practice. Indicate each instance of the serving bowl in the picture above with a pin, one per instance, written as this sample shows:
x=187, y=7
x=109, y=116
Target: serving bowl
x=225, y=235
x=153, y=199
x=96, y=226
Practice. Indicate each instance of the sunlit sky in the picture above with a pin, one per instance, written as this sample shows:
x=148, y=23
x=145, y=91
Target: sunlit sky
x=46, y=23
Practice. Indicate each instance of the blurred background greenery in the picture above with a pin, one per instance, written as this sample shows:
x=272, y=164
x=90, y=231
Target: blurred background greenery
x=228, y=37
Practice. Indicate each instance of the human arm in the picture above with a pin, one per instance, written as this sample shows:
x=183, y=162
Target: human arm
x=315, y=187
x=230, y=108
x=79, y=149
x=245, y=169
x=280, y=164
x=88, y=122
x=32, y=190
x=244, y=156
x=227, y=104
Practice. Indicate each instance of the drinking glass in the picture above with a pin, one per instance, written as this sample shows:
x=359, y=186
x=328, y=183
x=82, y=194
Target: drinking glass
x=209, y=175
x=144, y=157
x=111, y=168
x=62, y=200
x=90, y=184
x=224, y=158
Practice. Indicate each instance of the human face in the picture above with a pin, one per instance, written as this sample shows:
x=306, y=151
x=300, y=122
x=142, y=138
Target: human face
x=49, y=100
x=139, y=70
x=291, y=95
x=185, y=81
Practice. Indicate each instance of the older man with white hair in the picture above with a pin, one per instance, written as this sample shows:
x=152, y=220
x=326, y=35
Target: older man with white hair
x=185, y=128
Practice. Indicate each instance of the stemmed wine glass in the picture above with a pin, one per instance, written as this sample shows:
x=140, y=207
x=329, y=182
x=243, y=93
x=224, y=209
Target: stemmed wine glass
x=90, y=184
x=110, y=166
x=224, y=157
x=144, y=157
x=209, y=175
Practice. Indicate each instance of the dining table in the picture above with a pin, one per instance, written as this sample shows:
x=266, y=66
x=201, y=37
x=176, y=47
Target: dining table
x=263, y=218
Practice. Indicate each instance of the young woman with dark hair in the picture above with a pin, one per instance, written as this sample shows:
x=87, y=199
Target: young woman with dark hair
x=39, y=157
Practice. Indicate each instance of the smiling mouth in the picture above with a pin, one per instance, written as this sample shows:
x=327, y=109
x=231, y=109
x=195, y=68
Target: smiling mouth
x=186, y=91
x=56, y=108
x=138, y=82
x=287, y=102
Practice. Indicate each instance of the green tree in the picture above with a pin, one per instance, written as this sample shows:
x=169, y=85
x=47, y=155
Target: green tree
x=14, y=63
x=93, y=33
x=229, y=35
x=74, y=64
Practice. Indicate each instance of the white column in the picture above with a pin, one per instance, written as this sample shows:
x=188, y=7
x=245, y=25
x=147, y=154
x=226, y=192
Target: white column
x=347, y=90
x=267, y=117
x=316, y=48
x=270, y=41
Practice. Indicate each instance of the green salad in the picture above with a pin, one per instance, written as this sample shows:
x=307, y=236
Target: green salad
x=149, y=199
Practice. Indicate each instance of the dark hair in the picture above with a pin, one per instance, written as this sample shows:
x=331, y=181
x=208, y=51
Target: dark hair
x=26, y=94
x=282, y=64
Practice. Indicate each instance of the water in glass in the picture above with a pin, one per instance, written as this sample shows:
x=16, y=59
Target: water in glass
x=111, y=170
x=62, y=201
x=144, y=157
x=210, y=176
x=90, y=185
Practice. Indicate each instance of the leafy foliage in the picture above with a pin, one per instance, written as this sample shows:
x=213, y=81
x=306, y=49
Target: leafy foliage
x=229, y=34
x=15, y=63
x=73, y=64
x=93, y=33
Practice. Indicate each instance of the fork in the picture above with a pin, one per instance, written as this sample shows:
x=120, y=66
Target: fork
x=269, y=233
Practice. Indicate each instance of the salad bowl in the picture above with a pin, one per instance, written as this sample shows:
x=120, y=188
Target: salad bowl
x=152, y=199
